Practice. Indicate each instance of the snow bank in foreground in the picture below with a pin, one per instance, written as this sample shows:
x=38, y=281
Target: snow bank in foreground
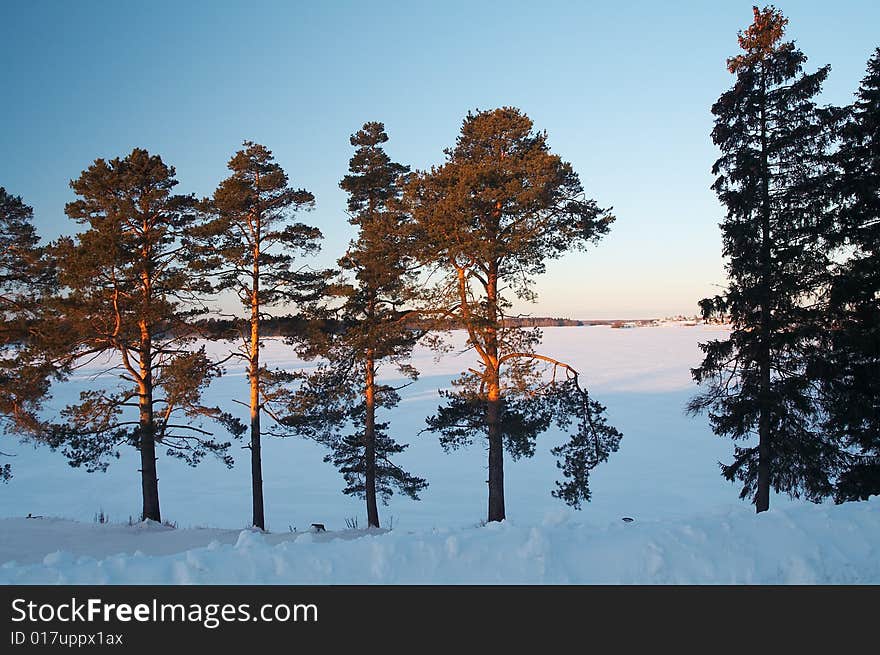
x=799, y=545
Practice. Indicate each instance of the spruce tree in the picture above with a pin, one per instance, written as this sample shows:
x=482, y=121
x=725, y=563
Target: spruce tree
x=486, y=222
x=773, y=179
x=250, y=245
x=25, y=278
x=372, y=329
x=126, y=291
x=850, y=370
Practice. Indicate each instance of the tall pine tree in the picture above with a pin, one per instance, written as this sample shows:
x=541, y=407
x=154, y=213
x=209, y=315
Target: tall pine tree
x=126, y=291
x=371, y=330
x=486, y=222
x=850, y=371
x=773, y=179
x=25, y=279
x=251, y=244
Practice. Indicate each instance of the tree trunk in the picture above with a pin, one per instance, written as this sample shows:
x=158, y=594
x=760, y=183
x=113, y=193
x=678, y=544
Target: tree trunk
x=147, y=430
x=370, y=443
x=259, y=520
x=496, y=452
x=493, y=404
x=762, y=495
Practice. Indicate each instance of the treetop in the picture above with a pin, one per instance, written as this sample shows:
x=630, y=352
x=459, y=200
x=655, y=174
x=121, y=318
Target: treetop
x=759, y=40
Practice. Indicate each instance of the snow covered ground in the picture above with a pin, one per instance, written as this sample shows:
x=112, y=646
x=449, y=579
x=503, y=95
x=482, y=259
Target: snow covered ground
x=689, y=524
x=802, y=545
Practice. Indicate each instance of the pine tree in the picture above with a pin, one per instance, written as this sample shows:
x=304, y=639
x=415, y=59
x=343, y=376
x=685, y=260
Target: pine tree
x=487, y=220
x=250, y=246
x=850, y=371
x=371, y=330
x=126, y=291
x=772, y=177
x=25, y=278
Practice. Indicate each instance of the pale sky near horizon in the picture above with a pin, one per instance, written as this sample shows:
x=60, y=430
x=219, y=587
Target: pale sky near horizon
x=623, y=90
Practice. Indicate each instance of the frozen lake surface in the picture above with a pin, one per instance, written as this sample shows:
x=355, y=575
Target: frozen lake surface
x=665, y=469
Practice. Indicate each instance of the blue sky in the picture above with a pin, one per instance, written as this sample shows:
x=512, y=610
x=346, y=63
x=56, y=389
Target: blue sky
x=623, y=89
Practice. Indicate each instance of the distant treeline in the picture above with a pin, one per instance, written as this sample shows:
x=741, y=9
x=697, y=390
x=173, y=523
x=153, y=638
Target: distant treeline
x=288, y=326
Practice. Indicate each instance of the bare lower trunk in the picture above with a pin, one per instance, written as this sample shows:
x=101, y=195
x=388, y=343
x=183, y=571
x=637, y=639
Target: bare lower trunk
x=259, y=519
x=496, y=454
x=147, y=433
x=370, y=445
x=149, y=477
x=762, y=495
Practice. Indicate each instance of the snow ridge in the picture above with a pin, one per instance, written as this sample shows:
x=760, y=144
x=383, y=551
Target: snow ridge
x=799, y=545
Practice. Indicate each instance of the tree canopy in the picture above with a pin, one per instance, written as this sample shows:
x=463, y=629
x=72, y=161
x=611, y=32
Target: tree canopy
x=486, y=223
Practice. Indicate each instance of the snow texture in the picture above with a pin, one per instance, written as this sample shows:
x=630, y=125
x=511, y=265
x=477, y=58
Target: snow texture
x=801, y=545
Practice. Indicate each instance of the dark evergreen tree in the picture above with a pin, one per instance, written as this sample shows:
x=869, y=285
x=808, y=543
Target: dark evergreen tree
x=250, y=244
x=773, y=179
x=487, y=220
x=126, y=291
x=371, y=330
x=25, y=278
x=850, y=370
